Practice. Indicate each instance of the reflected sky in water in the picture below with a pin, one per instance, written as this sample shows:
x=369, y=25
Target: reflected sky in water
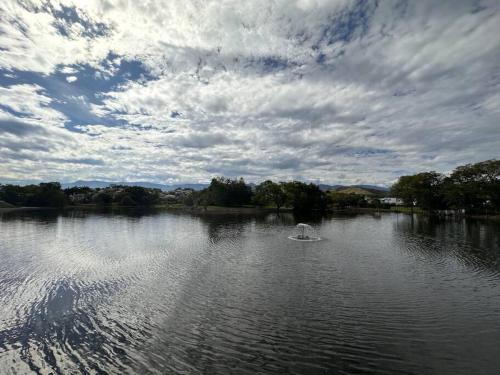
x=123, y=291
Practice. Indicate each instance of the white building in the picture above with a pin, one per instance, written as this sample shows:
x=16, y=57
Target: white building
x=394, y=201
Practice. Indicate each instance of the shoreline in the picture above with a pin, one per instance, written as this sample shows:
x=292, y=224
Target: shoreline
x=9, y=209
x=250, y=210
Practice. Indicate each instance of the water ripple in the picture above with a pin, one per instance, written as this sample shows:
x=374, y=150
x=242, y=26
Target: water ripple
x=166, y=293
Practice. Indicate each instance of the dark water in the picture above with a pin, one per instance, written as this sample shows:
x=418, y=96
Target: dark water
x=157, y=292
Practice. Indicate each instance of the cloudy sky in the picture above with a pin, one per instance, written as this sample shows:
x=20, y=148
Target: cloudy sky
x=179, y=91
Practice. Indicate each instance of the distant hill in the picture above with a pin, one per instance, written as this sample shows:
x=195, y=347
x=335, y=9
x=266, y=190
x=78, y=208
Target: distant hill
x=102, y=184
x=357, y=189
x=325, y=187
x=373, y=187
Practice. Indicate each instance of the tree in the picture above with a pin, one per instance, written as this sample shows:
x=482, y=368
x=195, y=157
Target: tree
x=49, y=195
x=127, y=201
x=404, y=189
x=77, y=190
x=270, y=192
x=343, y=200
x=201, y=198
x=227, y=192
x=43, y=195
x=103, y=198
x=425, y=189
x=429, y=194
x=13, y=194
x=142, y=196
x=305, y=197
x=474, y=186
x=135, y=195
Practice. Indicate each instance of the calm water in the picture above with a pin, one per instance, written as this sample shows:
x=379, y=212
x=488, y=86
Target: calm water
x=158, y=292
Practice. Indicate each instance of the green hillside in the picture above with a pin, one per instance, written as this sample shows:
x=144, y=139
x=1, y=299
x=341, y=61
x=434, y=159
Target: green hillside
x=364, y=191
x=356, y=190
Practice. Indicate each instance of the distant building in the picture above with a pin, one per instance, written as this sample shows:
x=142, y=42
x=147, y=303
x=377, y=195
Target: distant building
x=78, y=198
x=169, y=198
x=392, y=201
x=182, y=192
x=369, y=199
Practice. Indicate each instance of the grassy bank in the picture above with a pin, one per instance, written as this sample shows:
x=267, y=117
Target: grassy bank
x=225, y=210
x=14, y=208
x=407, y=210
x=5, y=205
x=184, y=208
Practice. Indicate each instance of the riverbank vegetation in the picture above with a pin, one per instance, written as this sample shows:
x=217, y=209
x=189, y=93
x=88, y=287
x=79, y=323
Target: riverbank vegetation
x=472, y=188
x=225, y=192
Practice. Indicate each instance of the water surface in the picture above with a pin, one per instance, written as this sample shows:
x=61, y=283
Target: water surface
x=160, y=292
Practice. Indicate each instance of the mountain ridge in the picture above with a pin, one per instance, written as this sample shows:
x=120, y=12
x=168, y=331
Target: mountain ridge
x=199, y=186
x=326, y=187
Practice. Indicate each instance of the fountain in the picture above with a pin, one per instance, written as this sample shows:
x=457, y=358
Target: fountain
x=302, y=235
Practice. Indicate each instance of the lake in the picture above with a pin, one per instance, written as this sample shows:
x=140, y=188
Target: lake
x=162, y=292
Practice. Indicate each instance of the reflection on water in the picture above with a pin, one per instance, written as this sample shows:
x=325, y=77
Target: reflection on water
x=121, y=291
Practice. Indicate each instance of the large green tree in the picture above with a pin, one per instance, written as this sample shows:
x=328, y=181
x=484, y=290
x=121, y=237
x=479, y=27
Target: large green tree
x=423, y=189
x=269, y=192
x=305, y=197
x=228, y=192
x=43, y=195
x=474, y=186
x=103, y=198
x=343, y=200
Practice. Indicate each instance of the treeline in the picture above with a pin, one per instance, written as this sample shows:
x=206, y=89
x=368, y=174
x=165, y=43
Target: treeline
x=224, y=192
x=115, y=194
x=474, y=188
x=52, y=195
x=43, y=195
x=236, y=193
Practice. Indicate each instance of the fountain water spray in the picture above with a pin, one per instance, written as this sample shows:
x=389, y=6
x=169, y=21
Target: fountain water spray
x=303, y=236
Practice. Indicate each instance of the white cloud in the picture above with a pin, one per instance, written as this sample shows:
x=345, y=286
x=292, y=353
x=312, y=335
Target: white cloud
x=338, y=90
x=30, y=101
x=68, y=70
